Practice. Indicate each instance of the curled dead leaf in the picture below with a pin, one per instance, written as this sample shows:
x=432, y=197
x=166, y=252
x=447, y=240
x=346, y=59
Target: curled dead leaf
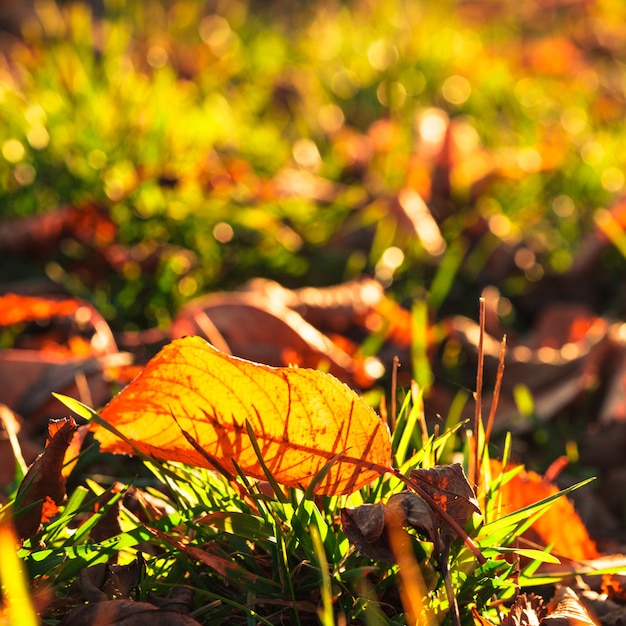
x=304, y=421
x=566, y=609
x=447, y=485
x=105, y=581
x=527, y=610
x=44, y=483
x=368, y=526
x=126, y=613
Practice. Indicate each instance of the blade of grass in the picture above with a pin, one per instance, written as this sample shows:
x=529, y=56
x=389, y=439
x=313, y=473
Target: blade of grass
x=516, y=522
x=422, y=371
x=325, y=614
x=278, y=491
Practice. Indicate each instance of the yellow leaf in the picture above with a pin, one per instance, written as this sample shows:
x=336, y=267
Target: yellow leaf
x=302, y=419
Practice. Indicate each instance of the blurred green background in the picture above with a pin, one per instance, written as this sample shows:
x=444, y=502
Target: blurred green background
x=208, y=143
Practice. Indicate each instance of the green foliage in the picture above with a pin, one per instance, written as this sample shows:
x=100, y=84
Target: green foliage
x=273, y=555
x=185, y=122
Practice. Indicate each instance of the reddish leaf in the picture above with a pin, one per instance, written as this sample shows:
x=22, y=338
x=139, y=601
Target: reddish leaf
x=526, y=488
x=15, y=308
x=303, y=420
x=44, y=485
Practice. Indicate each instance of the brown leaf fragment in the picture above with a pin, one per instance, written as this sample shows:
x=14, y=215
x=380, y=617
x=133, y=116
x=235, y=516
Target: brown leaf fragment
x=566, y=609
x=447, y=485
x=253, y=326
x=44, y=484
x=105, y=581
x=416, y=513
x=527, y=610
x=367, y=526
x=125, y=613
x=364, y=526
x=180, y=599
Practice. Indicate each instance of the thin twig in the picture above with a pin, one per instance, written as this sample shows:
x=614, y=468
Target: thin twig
x=394, y=387
x=479, y=394
x=496, y=394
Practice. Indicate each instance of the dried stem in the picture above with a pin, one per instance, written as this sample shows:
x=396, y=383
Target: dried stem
x=394, y=392
x=496, y=394
x=479, y=393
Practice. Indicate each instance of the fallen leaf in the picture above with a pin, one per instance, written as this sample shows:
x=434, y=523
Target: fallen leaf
x=527, y=610
x=303, y=420
x=262, y=329
x=561, y=358
x=566, y=609
x=39, y=235
x=105, y=581
x=364, y=526
x=44, y=485
x=368, y=526
x=16, y=308
x=614, y=586
x=447, y=485
x=126, y=613
x=526, y=488
x=28, y=377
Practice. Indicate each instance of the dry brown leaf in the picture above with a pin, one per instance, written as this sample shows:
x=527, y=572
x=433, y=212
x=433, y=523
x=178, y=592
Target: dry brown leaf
x=302, y=419
x=262, y=329
x=447, y=485
x=126, y=613
x=28, y=377
x=44, y=484
x=566, y=609
x=106, y=581
x=557, y=362
x=527, y=610
x=368, y=526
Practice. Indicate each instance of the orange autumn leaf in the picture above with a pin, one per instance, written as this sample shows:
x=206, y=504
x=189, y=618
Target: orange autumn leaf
x=528, y=487
x=302, y=419
x=15, y=308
